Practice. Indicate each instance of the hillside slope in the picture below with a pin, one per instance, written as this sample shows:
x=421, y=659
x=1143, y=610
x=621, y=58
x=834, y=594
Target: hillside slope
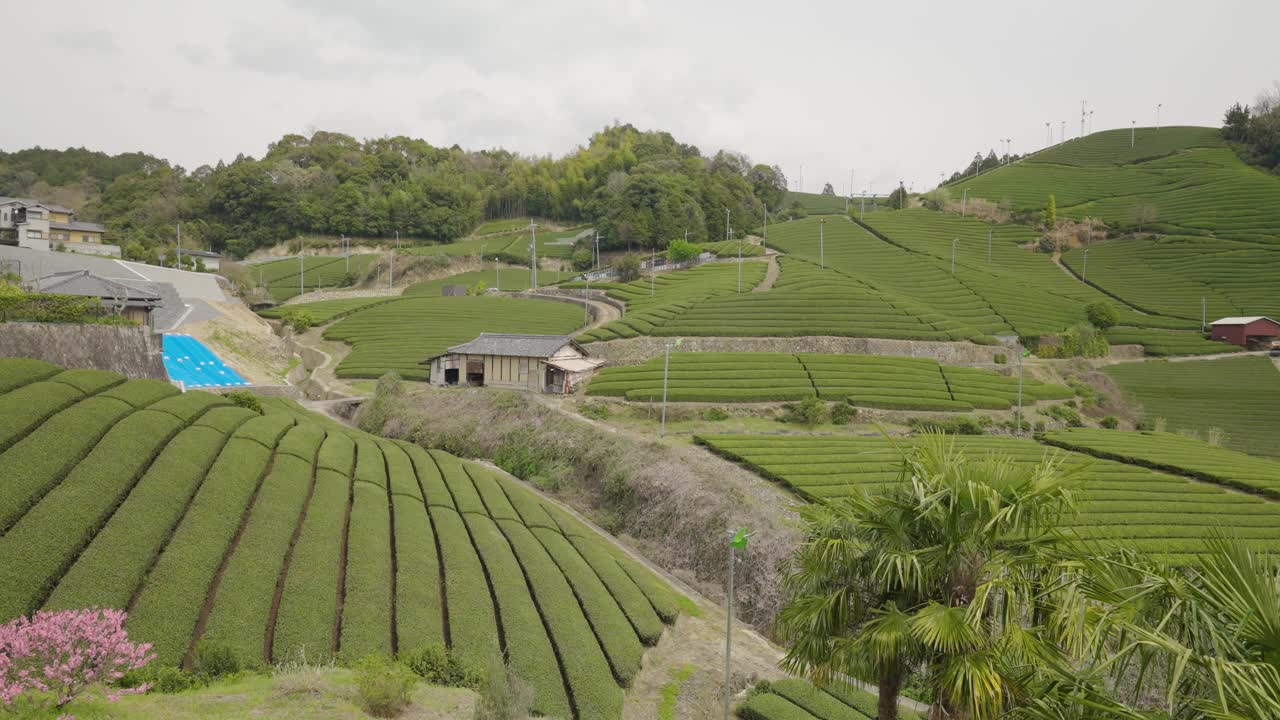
x=278, y=533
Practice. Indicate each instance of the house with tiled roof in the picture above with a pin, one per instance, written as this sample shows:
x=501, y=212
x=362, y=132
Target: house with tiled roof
x=30, y=223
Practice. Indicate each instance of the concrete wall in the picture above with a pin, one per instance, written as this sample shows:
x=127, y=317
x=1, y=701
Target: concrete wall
x=131, y=351
x=633, y=351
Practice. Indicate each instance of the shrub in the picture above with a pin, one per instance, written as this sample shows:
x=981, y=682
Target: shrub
x=628, y=267
x=215, y=659
x=165, y=679
x=503, y=696
x=842, y=413
x=1144, y=424
x=1102, y=314
x=1001, y=359
x=963, y=425
x=1110, y=422
x=438, y=666
x=246, y=400
x=1040, y=426
x=299, y=320
x=384, y=686
x=51, y=657
x=599, y=411
x=1066, y=414
x=809, y=411
x=715, y=414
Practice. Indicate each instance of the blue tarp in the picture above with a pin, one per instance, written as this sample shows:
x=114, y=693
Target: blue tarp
x=195, y=366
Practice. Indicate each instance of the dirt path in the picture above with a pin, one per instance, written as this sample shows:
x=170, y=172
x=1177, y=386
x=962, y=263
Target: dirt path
x=770, y=275
x=1193, y=358
x=604, y=314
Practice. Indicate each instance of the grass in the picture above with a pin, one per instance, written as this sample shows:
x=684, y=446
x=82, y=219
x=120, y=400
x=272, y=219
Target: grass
x=316, y=694
x=1191, y=181
x=866, y=380
x=671, y=692
x=398, y=336
x=1121, y=505
x=1240, y=396
x=213, y=524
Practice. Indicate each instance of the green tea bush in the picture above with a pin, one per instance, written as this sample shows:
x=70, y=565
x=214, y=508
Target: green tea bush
x=962, y=425
x=384, y=686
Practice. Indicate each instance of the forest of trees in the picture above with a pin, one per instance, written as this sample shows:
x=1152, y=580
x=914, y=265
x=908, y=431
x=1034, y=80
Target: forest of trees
x=1256, y=129
x=640, y=188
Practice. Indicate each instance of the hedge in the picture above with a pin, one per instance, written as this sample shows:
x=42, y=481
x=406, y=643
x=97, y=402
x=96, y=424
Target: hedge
x=112, y=567
x=646, y=623
x=241, y=612
x=817, y=702
x=31, y=557
x=16, y=372
x=429, y=479
x=528, y=507
x=495, y=500
x=618, y=639
x=529, y=651
x=473, y=625
x=366, y=607
x=307, y=620
x=225, y=419
x=175, y=590
x=419, y=616
x=88, y=381
x=461, y=489
x=36, y=463
x=595, y=693
x=664, y=600
x=767, y=706
x=141, y=393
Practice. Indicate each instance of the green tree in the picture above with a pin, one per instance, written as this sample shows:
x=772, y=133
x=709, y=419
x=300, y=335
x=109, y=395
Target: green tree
x=1102, y=314
x=583, y=258
x=681, y=250
x=898, y=198
x=628, y=267
x=934, y=575
x=1051, y=214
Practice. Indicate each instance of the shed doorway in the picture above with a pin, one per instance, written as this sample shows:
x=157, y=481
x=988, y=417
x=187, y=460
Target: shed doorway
x=475, y=372
x=451, y=376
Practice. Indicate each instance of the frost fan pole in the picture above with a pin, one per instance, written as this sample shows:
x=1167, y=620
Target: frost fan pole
x=666, y=366
x=533, y=249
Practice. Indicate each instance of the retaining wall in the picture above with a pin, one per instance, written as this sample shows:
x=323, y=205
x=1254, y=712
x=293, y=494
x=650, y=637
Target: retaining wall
x=633, y=351
x=131, y=351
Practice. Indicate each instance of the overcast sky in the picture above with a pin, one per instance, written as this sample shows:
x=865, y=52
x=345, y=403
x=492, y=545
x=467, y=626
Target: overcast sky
x=889, y=90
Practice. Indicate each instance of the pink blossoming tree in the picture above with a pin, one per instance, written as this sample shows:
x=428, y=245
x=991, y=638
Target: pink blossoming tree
x=51, y=657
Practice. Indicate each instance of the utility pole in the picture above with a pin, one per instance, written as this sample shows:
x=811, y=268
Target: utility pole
x=533, y=254
x=596, y=264
x=1090, y=122
x=1048, y=135
x=1133, y=131
x=989, y=231
x=1063, y=137
x=666, y=367
x=586, y=301
x=302, y=267
x=822, y=225
x=953, y=254
x=726, y=225
x=391, y=271
x=1082, y=116
x=346, y=249
x=902, y=195
x=1020, y=351
x=179, y=246
x=497, y=268
x=964, y=200
x=1204, y=320
x=765, y=242
x=1084, y=274
x=862, y=211
x=1158, y=106
x=653, y=268
x=739, y=259
x=737, y=540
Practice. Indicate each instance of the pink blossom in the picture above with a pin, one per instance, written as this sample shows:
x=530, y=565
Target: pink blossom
x=63, y=653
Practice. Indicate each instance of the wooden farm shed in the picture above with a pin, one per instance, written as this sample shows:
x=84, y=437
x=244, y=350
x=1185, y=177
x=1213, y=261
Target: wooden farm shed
x=1245, y=330
x=543, y=363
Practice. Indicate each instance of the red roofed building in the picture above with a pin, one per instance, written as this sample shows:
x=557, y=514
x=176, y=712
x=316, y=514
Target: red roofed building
x=1240, y=330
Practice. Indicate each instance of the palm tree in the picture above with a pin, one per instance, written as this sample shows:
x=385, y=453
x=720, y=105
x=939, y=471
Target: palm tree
x=1200, y=641
x=936, y=575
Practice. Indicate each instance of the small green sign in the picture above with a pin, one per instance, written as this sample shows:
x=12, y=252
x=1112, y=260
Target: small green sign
x=739, y=540
x=679, y=342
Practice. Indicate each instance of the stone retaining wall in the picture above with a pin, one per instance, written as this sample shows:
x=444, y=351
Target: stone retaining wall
x=131, y=351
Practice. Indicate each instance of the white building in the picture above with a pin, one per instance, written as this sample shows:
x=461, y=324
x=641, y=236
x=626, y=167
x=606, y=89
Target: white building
x=33, y=224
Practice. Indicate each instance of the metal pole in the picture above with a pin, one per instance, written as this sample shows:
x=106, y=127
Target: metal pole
x=302, y=268
x=179, y=246
x=666, y=366
x=1084, y=274
x=1158, y=106
x=653, y=268
x=727, y=236
x=822, y=225
x=964, y=201
x=1204, y=320
x=728, y=637
x=586, y=302
x=739, y=259
x=953, y=254
x=863, y=210
x=989, y=230
x=765, y=242
x=497, y=268
x=533, y=257
x=1019, y=346
x=595, y=260
x=347, y=249
x=391, y=271
x=1133, y=130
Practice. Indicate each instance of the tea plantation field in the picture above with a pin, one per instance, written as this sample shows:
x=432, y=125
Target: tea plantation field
x=1240, y=396
x=271, y=534
x=1175, y=180
x=326, y=311
x=867, y=380
x=794, y=699
x=1170, y=275
x=1122, y=505
x=1176, y=454
x=283, y=278
x=397, y=336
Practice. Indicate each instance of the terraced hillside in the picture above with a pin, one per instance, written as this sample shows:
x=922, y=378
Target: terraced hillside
x=1238, y=396
x=1122, y=505
x=1172, y=275
x=397, y=336
x=270, y=534
x=866, y=380
x=285, y=279
x=1175, y=180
